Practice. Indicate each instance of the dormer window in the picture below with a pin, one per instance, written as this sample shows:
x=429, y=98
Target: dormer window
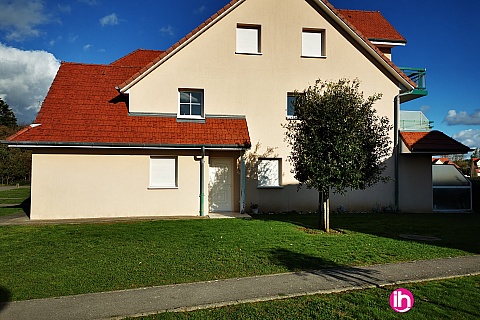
x=191, y=104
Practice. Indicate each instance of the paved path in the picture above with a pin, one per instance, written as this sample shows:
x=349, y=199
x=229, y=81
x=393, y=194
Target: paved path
x=191, y=296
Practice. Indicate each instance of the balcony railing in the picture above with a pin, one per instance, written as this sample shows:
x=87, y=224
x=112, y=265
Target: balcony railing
x=419, y=76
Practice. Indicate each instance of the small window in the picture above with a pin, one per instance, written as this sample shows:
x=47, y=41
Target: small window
x=290, y=105
x=163, y=172
x=248, y=39
x=313, y=43
x=269, y=172
x=191, y=104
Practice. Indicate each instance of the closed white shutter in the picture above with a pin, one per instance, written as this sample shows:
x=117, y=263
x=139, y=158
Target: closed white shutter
x=311, y=44
x=268, y=173
x=247, y=40
x=163, y=172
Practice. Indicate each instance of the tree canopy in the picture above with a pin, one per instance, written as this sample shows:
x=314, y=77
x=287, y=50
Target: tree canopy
x=337, y=140
x=7, y=117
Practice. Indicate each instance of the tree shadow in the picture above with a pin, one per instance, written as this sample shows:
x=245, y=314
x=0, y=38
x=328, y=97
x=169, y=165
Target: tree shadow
x=5, y=297
x=455, y=231
x=306, y=266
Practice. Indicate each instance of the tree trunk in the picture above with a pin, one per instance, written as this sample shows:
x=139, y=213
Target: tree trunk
x=324, y=211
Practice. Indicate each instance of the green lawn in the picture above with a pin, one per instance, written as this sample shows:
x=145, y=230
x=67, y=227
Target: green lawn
x=11, y=198
x=446, y=299
x=54, y=260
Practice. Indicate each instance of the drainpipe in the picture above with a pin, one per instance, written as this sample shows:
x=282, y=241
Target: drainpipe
x=242, y=181
x=202, y=184
x=202, y=181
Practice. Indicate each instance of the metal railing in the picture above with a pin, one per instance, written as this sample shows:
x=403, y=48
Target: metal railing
x=417, y=75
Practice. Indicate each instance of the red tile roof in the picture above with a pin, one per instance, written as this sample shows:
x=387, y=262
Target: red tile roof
x=137, y=58
x=372, y=25
x=350, y=24
x=83, y=107
x=434, y=142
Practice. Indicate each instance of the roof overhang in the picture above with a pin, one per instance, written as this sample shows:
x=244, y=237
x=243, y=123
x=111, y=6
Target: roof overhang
x=95, y=145
x=431, y=142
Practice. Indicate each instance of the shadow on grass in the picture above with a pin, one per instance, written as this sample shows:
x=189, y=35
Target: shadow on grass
x=324, y=268
x=25, y=206
x=5, y=297
x=457, y=231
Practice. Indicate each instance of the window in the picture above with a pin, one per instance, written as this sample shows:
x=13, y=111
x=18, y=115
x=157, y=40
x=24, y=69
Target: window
x=313, y=43
x=248, y=39
x=191, y=104
x=290, y=107
x=163, y=172
x=269, y=172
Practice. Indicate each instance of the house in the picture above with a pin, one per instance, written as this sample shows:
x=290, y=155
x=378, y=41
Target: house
x=170, y=132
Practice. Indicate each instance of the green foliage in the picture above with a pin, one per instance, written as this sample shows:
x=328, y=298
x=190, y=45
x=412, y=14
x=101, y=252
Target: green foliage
x=337, y=139
x=15, y=163
x=7, y=117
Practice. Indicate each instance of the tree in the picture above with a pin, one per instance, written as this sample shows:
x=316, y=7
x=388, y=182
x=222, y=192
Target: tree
x=7, y=117
x=338, y=142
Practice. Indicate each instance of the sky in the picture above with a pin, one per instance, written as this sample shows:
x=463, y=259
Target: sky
x=35, y=35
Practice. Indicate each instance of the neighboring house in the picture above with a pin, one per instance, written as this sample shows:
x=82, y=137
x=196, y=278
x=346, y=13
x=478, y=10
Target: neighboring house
x=165, y=133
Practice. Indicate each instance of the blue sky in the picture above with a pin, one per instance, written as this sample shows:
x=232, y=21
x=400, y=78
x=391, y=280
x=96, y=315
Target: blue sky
x=35, y=35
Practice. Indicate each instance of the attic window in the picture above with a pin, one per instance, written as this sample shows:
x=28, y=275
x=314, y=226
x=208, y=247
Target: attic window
x=313, y=43
x=248, y=39
x=191, y=104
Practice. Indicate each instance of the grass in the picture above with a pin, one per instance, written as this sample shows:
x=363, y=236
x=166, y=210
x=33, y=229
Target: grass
x=55, y=260
x=446, y=299
x=11, y=198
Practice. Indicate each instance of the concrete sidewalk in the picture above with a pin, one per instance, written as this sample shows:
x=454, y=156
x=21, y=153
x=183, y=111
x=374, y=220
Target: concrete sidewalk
x=191, y=296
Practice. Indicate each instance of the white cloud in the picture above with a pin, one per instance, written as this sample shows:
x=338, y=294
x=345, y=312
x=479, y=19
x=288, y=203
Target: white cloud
x=425, y=108
x=454, y=118
x=87, y=47
x=469, y=137
x=110, y=20
x=25, y=77
x=167, y=31
x=20, y=19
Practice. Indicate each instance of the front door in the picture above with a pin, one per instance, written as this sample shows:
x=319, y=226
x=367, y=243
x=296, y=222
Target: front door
x=220, y=185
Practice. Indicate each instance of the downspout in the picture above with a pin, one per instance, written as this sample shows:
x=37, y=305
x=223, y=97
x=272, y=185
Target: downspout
x=242, y=181
x=202, y=184
x=201, y=159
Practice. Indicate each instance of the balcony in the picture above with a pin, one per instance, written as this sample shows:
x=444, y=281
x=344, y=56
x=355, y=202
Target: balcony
x=419, y=76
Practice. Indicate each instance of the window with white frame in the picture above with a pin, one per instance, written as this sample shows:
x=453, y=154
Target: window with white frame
x=313, y=43
x=191, y=103
x=248, y=39
x=290, y=105
x=163, y=172
x=269, y=172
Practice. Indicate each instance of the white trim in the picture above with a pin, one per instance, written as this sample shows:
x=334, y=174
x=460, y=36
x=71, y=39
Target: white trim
x=181, y=46
x=388, y=43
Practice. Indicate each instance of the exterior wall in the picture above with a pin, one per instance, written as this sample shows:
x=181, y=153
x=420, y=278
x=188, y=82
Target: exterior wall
x=257, y=85
x=108, y=184
x=415, y=182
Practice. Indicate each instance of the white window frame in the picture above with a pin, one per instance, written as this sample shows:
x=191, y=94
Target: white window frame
x=248, y=39
x=313, y=43
x=202, y=104
x=270, y=179
x=163, y=172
